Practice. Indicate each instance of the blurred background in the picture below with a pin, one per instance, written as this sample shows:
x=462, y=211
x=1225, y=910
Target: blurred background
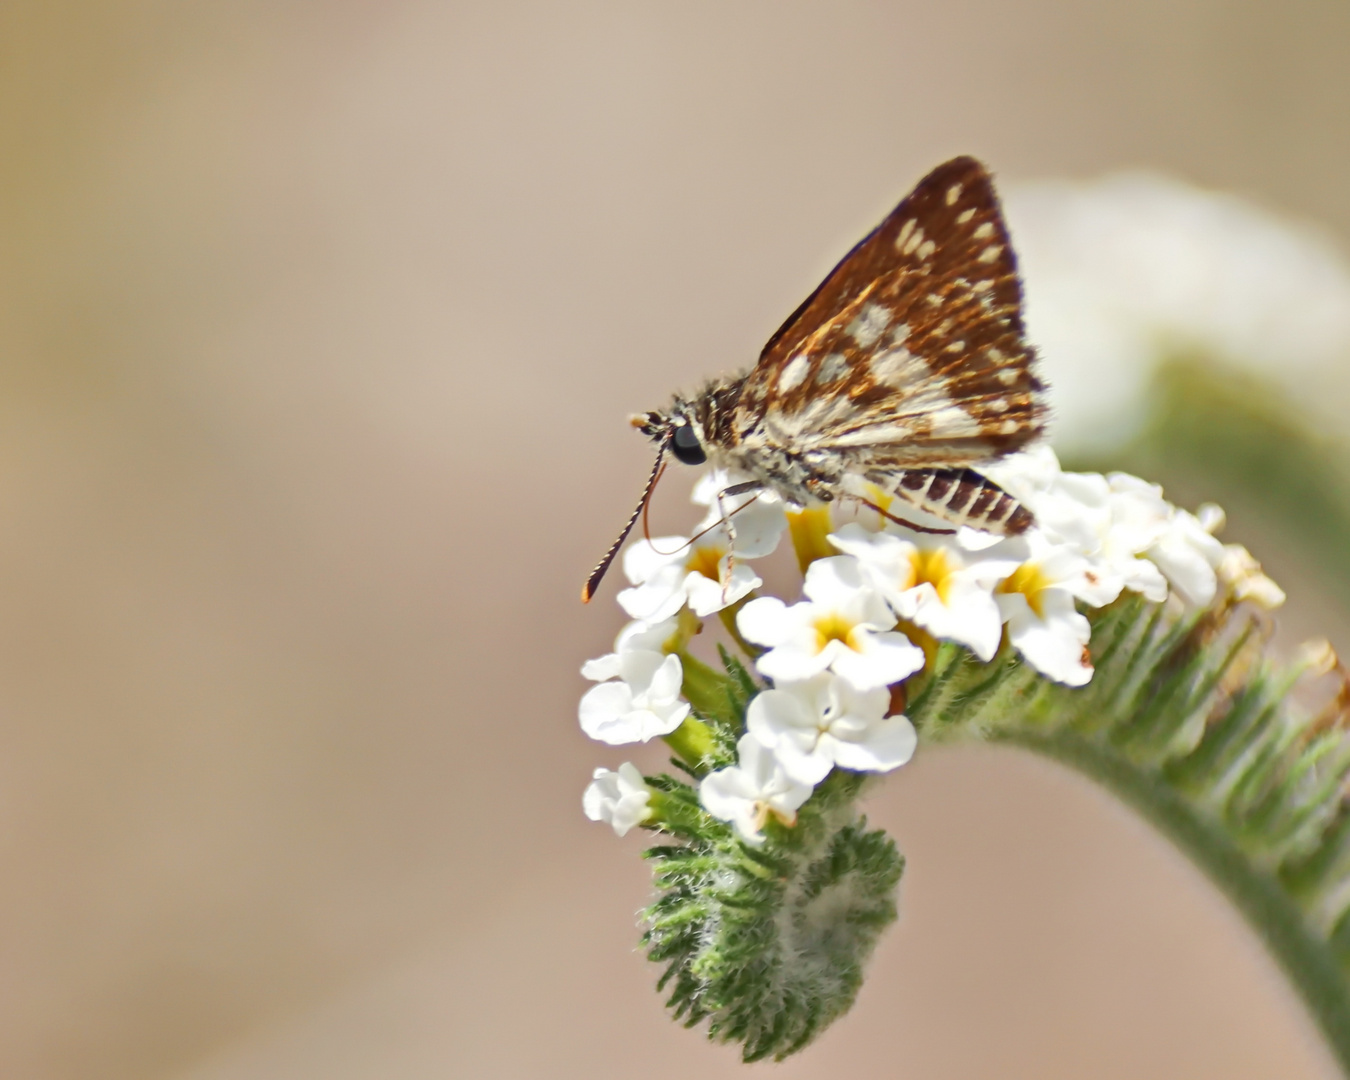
x=319, y=328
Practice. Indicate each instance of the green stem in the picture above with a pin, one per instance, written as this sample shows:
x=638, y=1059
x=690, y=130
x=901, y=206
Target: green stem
x=693, y=743
x=1257, y=893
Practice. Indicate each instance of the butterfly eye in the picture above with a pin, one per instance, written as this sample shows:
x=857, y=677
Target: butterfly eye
x=685, y=446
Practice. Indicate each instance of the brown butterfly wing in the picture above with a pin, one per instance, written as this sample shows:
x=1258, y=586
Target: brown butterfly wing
x=911, y=351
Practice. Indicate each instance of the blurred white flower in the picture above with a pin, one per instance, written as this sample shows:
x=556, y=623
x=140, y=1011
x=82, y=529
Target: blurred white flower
x=815, y=725
x=1243, y=575
x=1132, y=269
x=642, y=698
x=934, y=583
x=1188, y=554
x=749, y=792
x=618, y=798
x=843, y=625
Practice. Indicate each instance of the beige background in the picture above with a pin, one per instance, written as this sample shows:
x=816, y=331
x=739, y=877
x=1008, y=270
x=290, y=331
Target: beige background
x=318, y=328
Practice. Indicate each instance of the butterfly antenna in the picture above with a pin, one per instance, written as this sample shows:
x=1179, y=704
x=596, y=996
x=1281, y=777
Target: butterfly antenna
x=598, y=574
x=647, y=505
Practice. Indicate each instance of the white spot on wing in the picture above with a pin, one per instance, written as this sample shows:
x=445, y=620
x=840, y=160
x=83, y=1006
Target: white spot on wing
x=926, y=249
x=903, y=235
x=1007, y=376
x=965, y=215
x=793, y=374
x=897, y=367
x=990, y=253
x=915, y=239
x=953, y=193
x=833, y=367
x=866, y=329
x=984, y=231
x=952, y=422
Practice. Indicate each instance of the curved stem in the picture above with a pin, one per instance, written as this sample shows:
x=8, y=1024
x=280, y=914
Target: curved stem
x=1256, y=892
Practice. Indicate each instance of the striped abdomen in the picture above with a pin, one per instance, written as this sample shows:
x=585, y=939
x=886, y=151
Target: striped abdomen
x=963, y=497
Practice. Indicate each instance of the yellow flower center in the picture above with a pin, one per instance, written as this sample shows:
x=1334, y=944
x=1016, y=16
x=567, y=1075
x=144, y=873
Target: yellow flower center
x=808, y=529
x=706, y=561
x=1028, y=580
x=934, y=568
x=763, y=811
x=834, y=627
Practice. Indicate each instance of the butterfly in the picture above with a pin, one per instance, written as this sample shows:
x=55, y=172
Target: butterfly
x=902, y=375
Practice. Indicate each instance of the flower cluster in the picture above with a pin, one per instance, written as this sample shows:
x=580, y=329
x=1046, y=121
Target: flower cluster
x=875, y=600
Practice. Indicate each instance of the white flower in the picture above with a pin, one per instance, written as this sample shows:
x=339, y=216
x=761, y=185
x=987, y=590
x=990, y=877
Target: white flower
x=618, y=798
x=931, y=582
x=1037, y=602
x=671, y=571
x=1189, y=555
x=1111, y=521
x=637, y=636
x=708, y=572
x=814, y=725
x=844, y=626
x=747, y=793
x=758, y=518
x=643, y=698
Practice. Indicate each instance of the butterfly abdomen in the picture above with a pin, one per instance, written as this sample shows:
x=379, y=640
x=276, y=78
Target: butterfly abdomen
x=963, y=497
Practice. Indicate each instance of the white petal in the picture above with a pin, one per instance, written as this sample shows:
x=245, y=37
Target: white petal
x=1143, y=577
x=888, y=745
x=773, y=714
x=644, y=559
x=638, y=667
x=722, y=793
x=833, y=581
x=630, y=779
x=1053, y=645
x=757, y=764
x=601, y=668
x=969, y=617
x=707, y=597
x=609, y=714
x=789, y=799
x=642, y=635
x=886, y=658
x=765, y=621
x=790, y=661
x=600, y=794
x=666, y=681
x=657, y=599
x=803, y=766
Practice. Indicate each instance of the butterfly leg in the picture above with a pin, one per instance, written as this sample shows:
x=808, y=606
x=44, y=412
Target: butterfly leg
x=912, y=526
x=727, y=523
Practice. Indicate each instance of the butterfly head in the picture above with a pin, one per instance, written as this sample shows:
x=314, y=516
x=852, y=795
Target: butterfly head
x=677, y=431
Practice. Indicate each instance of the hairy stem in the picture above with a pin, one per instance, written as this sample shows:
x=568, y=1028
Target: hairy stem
x=1187, y=721
x=1253, y=888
